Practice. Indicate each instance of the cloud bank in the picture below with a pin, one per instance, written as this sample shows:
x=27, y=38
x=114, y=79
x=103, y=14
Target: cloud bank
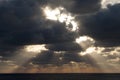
x=22, y=22
x=103, y=26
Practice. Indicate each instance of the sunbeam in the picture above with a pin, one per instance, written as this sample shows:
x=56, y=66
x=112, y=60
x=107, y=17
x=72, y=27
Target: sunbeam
x=59, y=36
x=23, y=56
x=101, y=59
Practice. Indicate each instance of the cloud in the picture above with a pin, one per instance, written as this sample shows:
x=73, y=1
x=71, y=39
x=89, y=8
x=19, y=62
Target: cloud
x=68, y=46
x=59, y=58
x=77, y=6
x=104, y=26
x=22, y=23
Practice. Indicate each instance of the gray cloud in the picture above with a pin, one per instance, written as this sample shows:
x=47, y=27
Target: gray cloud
x=104, y=26
x=22, y=23
x=77, y=6
x=68, y=46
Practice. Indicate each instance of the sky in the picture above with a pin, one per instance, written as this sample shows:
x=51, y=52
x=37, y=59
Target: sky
x=59, y=36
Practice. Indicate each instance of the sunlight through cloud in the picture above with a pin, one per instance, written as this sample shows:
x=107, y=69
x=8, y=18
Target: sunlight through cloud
x=89, y=50
x=111, y=2
x=61, y=15
x=85, y=41
x=35, y=48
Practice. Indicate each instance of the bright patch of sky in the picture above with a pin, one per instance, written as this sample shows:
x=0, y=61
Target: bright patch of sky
x=112, y=2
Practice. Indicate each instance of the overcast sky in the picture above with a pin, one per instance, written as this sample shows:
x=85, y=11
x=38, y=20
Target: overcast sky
x=59, y=36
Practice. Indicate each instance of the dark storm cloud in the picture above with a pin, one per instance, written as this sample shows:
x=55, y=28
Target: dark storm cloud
x=60, y=58
x=103, y=26
x=16, y=22
x=22, y=23
x=68, y=46
x=77, y=6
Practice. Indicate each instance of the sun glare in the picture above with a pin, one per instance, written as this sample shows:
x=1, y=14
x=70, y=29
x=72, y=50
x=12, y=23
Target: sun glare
x=35, y=48
x=61, y=15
